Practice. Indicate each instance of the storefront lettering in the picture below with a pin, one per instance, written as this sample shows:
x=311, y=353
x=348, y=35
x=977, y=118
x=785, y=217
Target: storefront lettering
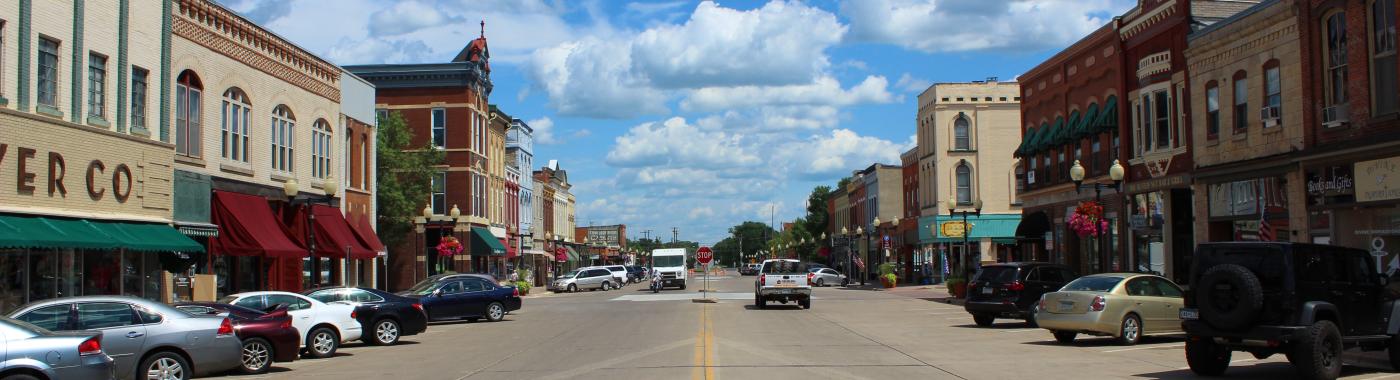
x=1158, y=183
x=1336, y=184
x=58, y=171
x=1379, y=180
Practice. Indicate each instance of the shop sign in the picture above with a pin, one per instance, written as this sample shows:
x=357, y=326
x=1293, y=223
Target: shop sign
x=952, y=229
x=97, y=177
x=1049, y=241
x=1331, y=181
x=1152, y=184
x=1378, y=180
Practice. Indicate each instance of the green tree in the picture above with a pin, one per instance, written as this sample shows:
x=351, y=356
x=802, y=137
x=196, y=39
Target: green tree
x=404, y=179
x=817, y=218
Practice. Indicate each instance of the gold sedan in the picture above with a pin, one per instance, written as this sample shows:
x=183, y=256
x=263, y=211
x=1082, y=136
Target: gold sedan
x=1121, y=305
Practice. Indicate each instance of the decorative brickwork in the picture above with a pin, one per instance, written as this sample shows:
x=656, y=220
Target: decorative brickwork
x=222, y=31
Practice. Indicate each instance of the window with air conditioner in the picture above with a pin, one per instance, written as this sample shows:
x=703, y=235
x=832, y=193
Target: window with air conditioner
x=1273, y=96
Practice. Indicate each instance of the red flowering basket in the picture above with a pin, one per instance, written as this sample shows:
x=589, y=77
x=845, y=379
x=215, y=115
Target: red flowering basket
x=1087, y=219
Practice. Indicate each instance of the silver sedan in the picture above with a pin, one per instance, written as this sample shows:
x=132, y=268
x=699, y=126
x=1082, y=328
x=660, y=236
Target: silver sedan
x=147, y=339
x=29, y=348
x=827, y=277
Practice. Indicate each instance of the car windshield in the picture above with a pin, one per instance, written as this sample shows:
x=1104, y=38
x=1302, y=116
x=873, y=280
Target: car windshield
x=996, y=274
x=668, y=261
x=422, y=288
x=1092, y=284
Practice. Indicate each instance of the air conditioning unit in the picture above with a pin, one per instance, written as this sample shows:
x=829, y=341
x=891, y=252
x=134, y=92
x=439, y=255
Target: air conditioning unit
x=1269, y=115
x=1335, y=116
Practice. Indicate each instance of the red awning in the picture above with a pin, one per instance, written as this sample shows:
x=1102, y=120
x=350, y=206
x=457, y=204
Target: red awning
x=367, y=234
x=510, y=249
x=247, y=228
x=334, y=237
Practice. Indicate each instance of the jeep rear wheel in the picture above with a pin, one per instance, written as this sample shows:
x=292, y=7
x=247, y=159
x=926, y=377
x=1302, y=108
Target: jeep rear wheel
x=1207, y=358
x=1394, y=351
x=1230, y=297
x=1318, y=354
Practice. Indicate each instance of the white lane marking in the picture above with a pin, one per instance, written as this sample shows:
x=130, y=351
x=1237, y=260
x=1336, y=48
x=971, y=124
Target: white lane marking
x=1174, y=345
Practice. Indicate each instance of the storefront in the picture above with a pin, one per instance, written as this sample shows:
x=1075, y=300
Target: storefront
x=1160, y=227
x=1357, y=205
x=487, y=252
x=962, y=248
x=89, y=216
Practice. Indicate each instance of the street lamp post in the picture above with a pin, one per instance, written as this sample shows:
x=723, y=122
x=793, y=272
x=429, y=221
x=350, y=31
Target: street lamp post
x=291, y=190
x=967, y=229
x=860, y=234
x=1115, y=175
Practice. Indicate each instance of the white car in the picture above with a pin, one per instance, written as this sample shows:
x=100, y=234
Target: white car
x=827, y=277
x=322, y=326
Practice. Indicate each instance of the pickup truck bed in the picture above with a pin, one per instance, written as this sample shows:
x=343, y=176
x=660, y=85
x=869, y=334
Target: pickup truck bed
x=782, y=281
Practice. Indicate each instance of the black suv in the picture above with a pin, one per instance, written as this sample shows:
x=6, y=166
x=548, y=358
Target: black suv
x=1011, y=290
x=1306, y=301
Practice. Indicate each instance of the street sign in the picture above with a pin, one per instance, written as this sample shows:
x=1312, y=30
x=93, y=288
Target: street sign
x=704, y=255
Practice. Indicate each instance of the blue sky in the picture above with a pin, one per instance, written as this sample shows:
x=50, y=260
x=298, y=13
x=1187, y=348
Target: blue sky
x=700, y=115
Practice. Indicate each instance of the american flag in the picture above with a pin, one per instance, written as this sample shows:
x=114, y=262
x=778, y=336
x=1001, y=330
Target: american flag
x=1266, y=231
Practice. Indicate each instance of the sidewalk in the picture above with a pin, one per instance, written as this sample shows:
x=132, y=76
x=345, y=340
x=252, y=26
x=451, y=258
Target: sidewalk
x=932, y=293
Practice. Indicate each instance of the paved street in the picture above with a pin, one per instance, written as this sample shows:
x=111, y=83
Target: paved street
x=848, y=334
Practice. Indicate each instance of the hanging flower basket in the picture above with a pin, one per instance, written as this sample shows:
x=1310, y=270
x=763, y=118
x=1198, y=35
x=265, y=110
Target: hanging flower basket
x=1087, y=219
x=449, y=246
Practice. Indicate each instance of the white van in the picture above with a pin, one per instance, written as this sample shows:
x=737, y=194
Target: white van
x=669, y=263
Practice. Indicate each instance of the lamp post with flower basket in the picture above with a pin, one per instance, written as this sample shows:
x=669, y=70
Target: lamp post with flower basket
x=1088, y=218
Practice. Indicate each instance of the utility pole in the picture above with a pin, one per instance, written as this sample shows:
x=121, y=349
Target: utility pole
x=675, y=235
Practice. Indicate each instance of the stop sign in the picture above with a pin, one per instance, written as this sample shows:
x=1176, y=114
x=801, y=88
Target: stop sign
x=704, y=255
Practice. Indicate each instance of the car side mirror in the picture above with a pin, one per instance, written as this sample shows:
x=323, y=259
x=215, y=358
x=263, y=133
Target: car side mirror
x=437, y=293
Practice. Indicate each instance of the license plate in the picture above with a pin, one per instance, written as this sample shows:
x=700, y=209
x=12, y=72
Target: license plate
x=987, y=291
x=787, y=283
x=784, y=291
x=1066, y=306
x=1189, y=314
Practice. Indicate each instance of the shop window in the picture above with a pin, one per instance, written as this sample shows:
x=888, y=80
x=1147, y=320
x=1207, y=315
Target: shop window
x=97, y=85
x=321, y=149
x=963, y=179
x=1212, y=110
x=283, y=139
x=101, y=269
x=961, y=138
x=439, y=127
x=1334, y=59
x=47, y=83
x=439, y=197
x=1383, y=69
x=139, y=78
x=236, y=112
x=189, y=130
x=1241, y=99
x=1273, y=95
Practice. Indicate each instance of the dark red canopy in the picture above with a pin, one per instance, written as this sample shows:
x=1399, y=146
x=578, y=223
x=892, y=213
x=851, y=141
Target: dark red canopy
x=334, y=237
x=247, y=228
x=366, y=232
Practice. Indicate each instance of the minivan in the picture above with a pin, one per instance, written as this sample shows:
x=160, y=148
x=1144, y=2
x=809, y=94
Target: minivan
x=584, y=278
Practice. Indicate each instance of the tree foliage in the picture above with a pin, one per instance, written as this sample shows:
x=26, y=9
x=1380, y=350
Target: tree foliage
x=751, y=234
x=404, y=179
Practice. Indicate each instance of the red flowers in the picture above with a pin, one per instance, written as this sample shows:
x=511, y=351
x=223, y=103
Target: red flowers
x=1088, y=219
x=449, y=246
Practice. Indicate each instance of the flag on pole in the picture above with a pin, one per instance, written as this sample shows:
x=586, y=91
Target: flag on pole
x=1266, y=231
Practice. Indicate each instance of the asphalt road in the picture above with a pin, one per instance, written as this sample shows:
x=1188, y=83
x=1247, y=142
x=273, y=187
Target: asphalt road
x=848, y=334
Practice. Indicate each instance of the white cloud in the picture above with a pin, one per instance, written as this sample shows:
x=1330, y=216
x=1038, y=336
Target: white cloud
x=823, y=91
x=405, y=17
x=908, y=83
x=590, y=77
x=678, y=144
x=835, y=155
x=543, y=131
x=581, y=133
x=967, y=25
x=702, y=212
x=772, y=119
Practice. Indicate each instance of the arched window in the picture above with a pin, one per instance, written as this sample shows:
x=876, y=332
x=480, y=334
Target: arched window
x=320, y=149
x=962, y=140
x=188, y=131
x=283, y=141
x=234, y=137
x=964, y=183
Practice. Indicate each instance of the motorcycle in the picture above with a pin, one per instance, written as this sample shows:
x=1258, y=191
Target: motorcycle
x=655, y=284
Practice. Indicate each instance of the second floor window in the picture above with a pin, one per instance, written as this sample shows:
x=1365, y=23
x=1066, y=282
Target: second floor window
x=964, y=183
x=283, y=139
x=1273, y=90
x=1335, y=60
x=439, y=128
x=234, y=137
x=1241, y=96
x=138, y=97
x=439, y=197
x=97, y=86
x=1383, y=72
x=1212, y=110
x=188, y=123
x=47, y=74
x=321, y=149
x=962, y=140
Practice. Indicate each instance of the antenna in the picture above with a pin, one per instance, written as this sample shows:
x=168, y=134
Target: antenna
x=483, y=28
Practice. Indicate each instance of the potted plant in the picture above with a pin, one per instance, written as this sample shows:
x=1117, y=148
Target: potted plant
x=957, y=286
x=887, y=276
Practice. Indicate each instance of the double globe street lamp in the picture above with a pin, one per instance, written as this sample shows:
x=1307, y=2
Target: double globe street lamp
x=291, y=189
x=1115, y=176
x=967, y=265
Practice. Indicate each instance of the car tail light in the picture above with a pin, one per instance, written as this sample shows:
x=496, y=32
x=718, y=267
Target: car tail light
x=762, y=279
x=1016, y=286
x=514, y=292
x=287, y=323
x=418, y=306
x=809, y=278
x=226, y=327
x=354, y=314
x=1041, y=304
x=92, y=346
x=1097, y=304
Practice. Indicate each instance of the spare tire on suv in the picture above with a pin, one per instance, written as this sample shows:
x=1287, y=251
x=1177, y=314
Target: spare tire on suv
x=1230, y=297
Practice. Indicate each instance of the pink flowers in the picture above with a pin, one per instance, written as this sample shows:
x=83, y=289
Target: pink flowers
x=449, y=246
x=1087, y=219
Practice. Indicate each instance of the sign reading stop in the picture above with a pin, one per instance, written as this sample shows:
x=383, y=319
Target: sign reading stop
x=704, y=255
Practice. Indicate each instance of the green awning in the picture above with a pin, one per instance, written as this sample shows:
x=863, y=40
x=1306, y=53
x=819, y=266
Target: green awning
x=1038, y=141
x=1108, y=119
x=1057, y=134
x=992, y=226
x=46, y=232
x=1026, y=139
x=1086, y=126
x=484, y=243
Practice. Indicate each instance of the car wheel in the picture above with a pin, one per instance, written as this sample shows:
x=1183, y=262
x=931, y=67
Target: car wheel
x=386, y=332
x=572, y=288
x=760, y=302
x=1130, y=330
x=1206, y=358
x=1031, y=316
x=257, y=356
x=322, y=342
x=845, y=281
x=806, y=303
x=821, y=282
x=21, y=376
x=983, y=320
x=1065, y=337
x=1319, y=352
x=164, y=366
x=495, y=312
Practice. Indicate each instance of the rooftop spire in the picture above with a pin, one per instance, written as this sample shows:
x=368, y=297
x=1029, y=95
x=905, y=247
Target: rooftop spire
x=483, y=28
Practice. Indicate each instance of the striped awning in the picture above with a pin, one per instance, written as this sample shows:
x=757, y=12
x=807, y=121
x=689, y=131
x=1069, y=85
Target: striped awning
x=197, y=229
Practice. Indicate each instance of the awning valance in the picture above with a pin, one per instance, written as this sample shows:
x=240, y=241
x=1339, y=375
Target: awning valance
x=247, y=228
x=982, y=226
x=149, y=237
x=197, y=229
x=486, y=244
x=19, y=231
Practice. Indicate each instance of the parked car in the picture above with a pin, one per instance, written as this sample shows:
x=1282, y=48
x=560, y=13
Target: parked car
x=1012, y=290
x=635, y=274
x=747, y=269
x=783, y=280
x=1306, y=301
x=144, y=337
x=822, y=276
x=323, y=326
x=267, y=336
x=389, y=316
x=619, y=274
x=464, y=296
x=31, y=350
x=583, y=278
x=1121, y=305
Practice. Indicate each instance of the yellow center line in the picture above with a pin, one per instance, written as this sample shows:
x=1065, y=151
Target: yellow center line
x=704, y=347
x=709, y=345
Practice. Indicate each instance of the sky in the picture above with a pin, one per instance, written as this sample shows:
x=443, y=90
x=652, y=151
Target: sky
x=699, y=115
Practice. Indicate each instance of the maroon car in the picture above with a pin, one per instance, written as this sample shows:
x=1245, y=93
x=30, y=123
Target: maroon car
x=267, y=336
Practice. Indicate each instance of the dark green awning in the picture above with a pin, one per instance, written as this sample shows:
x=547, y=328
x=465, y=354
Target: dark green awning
x=1026, y=139
x=46, y=232
x=1056, y=132
x=1108, y=119
x=1086, y=126
x=1038, y=144
x=1067, y=135
x=484, y=243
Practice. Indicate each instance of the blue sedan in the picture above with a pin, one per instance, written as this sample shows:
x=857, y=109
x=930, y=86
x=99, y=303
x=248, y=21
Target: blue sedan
x=464, y=296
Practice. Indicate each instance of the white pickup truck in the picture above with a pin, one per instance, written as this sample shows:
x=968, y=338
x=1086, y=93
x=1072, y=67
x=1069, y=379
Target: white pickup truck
x=783, y=280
